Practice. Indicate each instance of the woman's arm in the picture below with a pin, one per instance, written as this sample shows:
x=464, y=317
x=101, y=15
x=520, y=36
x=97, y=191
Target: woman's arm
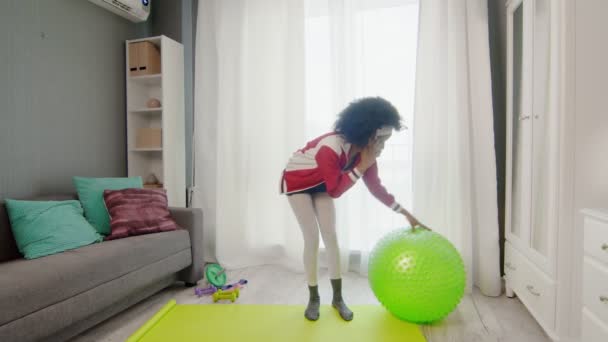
x=373, y=183
x=336, y=182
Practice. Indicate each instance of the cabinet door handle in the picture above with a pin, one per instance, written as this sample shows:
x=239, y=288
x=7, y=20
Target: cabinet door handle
x=511, y=267
x=532, y=291
x=605, y=247
x=524, y=117
x=604, y=299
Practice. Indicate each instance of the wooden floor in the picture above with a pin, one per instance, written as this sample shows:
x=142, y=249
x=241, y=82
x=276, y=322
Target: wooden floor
x=477, y=318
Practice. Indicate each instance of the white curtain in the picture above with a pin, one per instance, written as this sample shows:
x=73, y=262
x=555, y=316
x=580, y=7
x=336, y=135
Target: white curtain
x=454, y=161
x=271, y=74
x=357, y=48
x=249, y=114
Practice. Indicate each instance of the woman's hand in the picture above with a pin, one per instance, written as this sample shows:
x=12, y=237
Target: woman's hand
x=368, y=158
x=412, y=220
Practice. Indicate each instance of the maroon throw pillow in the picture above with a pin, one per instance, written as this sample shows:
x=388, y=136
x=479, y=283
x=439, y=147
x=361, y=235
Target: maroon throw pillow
x=137, y=212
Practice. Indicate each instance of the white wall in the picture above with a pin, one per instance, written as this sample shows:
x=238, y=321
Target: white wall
x=591, y=170
x=590, y=127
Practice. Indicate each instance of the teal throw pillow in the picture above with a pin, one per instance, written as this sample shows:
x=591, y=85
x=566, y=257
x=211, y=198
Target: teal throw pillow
x=90, y=194
x=47, y=227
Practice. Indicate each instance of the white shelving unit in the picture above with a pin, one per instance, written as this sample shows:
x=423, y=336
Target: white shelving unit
x=168, y=161
x=145, y=111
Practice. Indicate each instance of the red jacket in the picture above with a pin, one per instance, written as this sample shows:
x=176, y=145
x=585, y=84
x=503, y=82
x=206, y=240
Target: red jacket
x=323, y=160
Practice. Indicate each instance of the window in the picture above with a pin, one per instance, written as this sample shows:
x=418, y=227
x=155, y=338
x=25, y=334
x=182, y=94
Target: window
x=364, y=48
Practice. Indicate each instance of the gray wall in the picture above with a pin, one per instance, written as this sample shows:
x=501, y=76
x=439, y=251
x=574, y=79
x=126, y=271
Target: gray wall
x=62, y=96
x=166, y=19
x=497, y=32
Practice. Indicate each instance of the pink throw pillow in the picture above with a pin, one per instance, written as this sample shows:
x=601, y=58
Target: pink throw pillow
x=137, y=212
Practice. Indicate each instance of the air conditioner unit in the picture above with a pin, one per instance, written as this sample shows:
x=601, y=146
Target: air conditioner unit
x=134, y=10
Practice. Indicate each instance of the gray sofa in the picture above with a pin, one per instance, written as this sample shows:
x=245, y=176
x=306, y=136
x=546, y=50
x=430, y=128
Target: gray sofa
x=56, y=297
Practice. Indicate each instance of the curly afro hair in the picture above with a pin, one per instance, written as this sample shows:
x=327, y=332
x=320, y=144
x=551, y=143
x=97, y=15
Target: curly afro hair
x=359, y=121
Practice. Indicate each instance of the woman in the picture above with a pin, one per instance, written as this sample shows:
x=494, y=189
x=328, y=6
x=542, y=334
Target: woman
x=326, y=168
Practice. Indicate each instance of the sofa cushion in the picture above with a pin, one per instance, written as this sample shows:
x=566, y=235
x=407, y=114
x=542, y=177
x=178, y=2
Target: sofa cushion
x=43, y=228
x=137, y=212
x=30, y=285
x=90, y=193
x=8, y=247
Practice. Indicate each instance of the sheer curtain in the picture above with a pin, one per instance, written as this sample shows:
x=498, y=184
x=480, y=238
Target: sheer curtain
x=271, y=74
x=357, y=48
x=454, y=161
x=249, y=114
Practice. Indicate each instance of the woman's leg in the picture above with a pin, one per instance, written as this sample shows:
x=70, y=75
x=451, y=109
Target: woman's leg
x=303, y=209
x=326, y=215
x=302, y=206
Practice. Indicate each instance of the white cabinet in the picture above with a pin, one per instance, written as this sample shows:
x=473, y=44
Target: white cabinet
x=594, y=325
x=532, y=132
x=534, y=287
x=156, y=132
x=534, y=163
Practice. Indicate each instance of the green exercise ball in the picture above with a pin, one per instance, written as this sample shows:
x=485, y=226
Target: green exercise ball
x=417, y=275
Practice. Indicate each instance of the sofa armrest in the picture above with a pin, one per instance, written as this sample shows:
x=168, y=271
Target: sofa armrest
x=191, y=219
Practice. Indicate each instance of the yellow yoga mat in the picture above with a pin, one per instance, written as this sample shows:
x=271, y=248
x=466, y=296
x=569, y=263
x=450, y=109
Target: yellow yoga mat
x=250, y=323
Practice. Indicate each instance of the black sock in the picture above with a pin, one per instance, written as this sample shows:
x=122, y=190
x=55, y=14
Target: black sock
x=314, y=301
x=338, y=302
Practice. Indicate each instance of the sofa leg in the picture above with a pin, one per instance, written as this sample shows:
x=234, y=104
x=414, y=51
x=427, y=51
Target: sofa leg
x=189, y=284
